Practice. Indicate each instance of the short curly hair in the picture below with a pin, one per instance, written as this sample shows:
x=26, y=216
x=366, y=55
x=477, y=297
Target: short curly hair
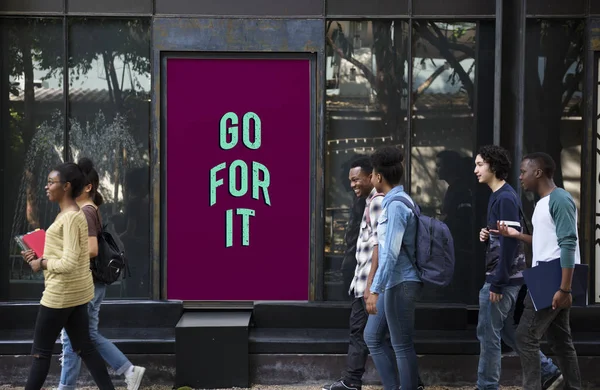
x=498, y=159
x=387, y=161
x=544, y=162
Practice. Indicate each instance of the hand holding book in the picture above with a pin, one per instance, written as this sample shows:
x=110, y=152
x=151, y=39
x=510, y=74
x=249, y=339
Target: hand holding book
x=32, y=244
x=28, y=255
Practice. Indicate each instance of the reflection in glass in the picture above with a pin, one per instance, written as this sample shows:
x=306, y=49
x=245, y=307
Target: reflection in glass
x=31, y=82
x=367, y=94
x=109, y=97
x=553, y=98
x=443, y=139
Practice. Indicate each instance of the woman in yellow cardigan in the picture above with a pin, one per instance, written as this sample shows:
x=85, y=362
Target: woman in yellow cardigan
x=68, y=282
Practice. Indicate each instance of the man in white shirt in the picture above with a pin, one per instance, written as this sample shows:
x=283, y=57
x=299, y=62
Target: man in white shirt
x=554, y=236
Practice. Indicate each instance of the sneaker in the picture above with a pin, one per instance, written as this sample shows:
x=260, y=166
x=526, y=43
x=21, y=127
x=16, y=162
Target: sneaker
x=134, y=378
x=553, y=383
x=342, y=385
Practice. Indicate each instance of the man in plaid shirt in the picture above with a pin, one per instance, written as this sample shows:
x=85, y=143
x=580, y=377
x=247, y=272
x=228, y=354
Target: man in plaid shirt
x=366, y=258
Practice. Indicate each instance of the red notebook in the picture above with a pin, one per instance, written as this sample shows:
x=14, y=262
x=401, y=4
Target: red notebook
x=36, y=240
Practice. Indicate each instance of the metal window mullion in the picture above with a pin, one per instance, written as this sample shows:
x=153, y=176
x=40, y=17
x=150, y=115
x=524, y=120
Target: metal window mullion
x=498, y=72
x=66, y=152
x=409, y=103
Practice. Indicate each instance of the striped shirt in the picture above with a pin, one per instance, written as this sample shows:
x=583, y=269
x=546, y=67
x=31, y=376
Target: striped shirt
x=68, y=279
x=367, y=240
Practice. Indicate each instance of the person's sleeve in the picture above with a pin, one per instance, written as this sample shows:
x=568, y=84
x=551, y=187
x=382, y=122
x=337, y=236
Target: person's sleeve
x=71, y=247
x=397, y=220
x=563, y=212
x=92, y=220
x=374, y=213
x=507, y=210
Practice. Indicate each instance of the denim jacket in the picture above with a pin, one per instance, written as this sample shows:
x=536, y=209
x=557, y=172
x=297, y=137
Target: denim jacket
x=397, y=231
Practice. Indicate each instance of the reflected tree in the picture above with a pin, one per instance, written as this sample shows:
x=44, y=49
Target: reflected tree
x=106, y=40
x=38, y=44
x=390, y=48
x=30, y=44
x=554, y=72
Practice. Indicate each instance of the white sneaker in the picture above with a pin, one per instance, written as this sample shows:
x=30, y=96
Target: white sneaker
x=134, y=379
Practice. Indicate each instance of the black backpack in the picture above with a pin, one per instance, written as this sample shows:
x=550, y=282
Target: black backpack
x=110, y=263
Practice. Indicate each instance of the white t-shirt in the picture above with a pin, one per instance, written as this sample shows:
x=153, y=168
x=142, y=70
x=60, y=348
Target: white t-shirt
x=555, y=228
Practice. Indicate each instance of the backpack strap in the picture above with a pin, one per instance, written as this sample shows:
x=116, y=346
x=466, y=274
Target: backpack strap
x=412, y=208
x=417, y=214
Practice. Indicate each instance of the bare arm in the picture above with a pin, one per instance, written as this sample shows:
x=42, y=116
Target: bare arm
x=567, y=279
x=524, y=237
x=507, y=231
x=93, y=244
x=374, y=265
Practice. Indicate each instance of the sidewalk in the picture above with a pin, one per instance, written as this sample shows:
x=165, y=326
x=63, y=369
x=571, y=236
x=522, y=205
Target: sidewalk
x=290, y=387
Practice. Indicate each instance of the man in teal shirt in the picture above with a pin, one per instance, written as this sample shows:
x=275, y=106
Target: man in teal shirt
x=554, y=236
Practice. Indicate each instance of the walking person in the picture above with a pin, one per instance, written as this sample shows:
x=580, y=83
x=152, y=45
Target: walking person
x=554, y=236
x=355, y=214
x=68, y=285
x=396, y=285
x=366, y=263
x=505, y=261
x=89, y=201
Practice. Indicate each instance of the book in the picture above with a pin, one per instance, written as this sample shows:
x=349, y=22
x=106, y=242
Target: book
x=543, y=281
x=34, y=240
x=21, y=243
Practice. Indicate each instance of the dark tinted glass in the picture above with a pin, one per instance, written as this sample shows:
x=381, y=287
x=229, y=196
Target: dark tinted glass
x=31, y=112
x=443, y=142
x=554, y=71
x=367, y=97
x=109, y=98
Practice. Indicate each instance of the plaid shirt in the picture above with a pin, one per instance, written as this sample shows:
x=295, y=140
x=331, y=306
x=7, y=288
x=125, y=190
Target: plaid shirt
x=367, y=240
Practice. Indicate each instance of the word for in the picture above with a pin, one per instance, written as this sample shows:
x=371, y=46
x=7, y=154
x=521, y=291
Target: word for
x=238, y=175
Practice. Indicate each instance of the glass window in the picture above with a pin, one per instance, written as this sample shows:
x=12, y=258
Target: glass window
x=31, y=108
x=367, y=97
x=554, y=70
x=109, y=99
x=443, y=140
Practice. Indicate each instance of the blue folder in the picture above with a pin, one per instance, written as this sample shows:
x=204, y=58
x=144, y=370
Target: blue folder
x=543, y=281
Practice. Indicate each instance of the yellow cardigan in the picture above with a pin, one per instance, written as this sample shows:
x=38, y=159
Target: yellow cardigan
x=68, y=279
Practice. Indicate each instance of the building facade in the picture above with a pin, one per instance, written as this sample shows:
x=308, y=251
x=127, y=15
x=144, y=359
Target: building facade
x=437, y=78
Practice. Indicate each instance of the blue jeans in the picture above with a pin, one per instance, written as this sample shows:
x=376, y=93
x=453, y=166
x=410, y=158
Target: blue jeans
x=71, y=362
x=398, y=315
x=496, y=323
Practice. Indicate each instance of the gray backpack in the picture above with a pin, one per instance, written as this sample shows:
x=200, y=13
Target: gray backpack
x=435, y=249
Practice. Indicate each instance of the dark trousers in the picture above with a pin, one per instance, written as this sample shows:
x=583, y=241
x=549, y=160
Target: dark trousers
x=357, y=350
x=48, y=325
x=555, y=324
x=348, y=270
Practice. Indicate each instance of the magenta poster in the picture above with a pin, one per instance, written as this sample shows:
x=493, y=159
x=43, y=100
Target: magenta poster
x=238, y=179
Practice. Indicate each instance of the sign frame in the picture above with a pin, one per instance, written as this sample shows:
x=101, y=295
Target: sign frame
x=314, y=139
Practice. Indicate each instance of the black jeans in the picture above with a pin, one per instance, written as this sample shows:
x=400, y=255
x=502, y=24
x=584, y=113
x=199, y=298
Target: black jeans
x=555, y=324
x=357, y=350
x=48, y=325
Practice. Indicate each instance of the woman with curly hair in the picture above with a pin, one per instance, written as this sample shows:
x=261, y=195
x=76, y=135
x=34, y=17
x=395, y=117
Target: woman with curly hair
x=396, y=286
